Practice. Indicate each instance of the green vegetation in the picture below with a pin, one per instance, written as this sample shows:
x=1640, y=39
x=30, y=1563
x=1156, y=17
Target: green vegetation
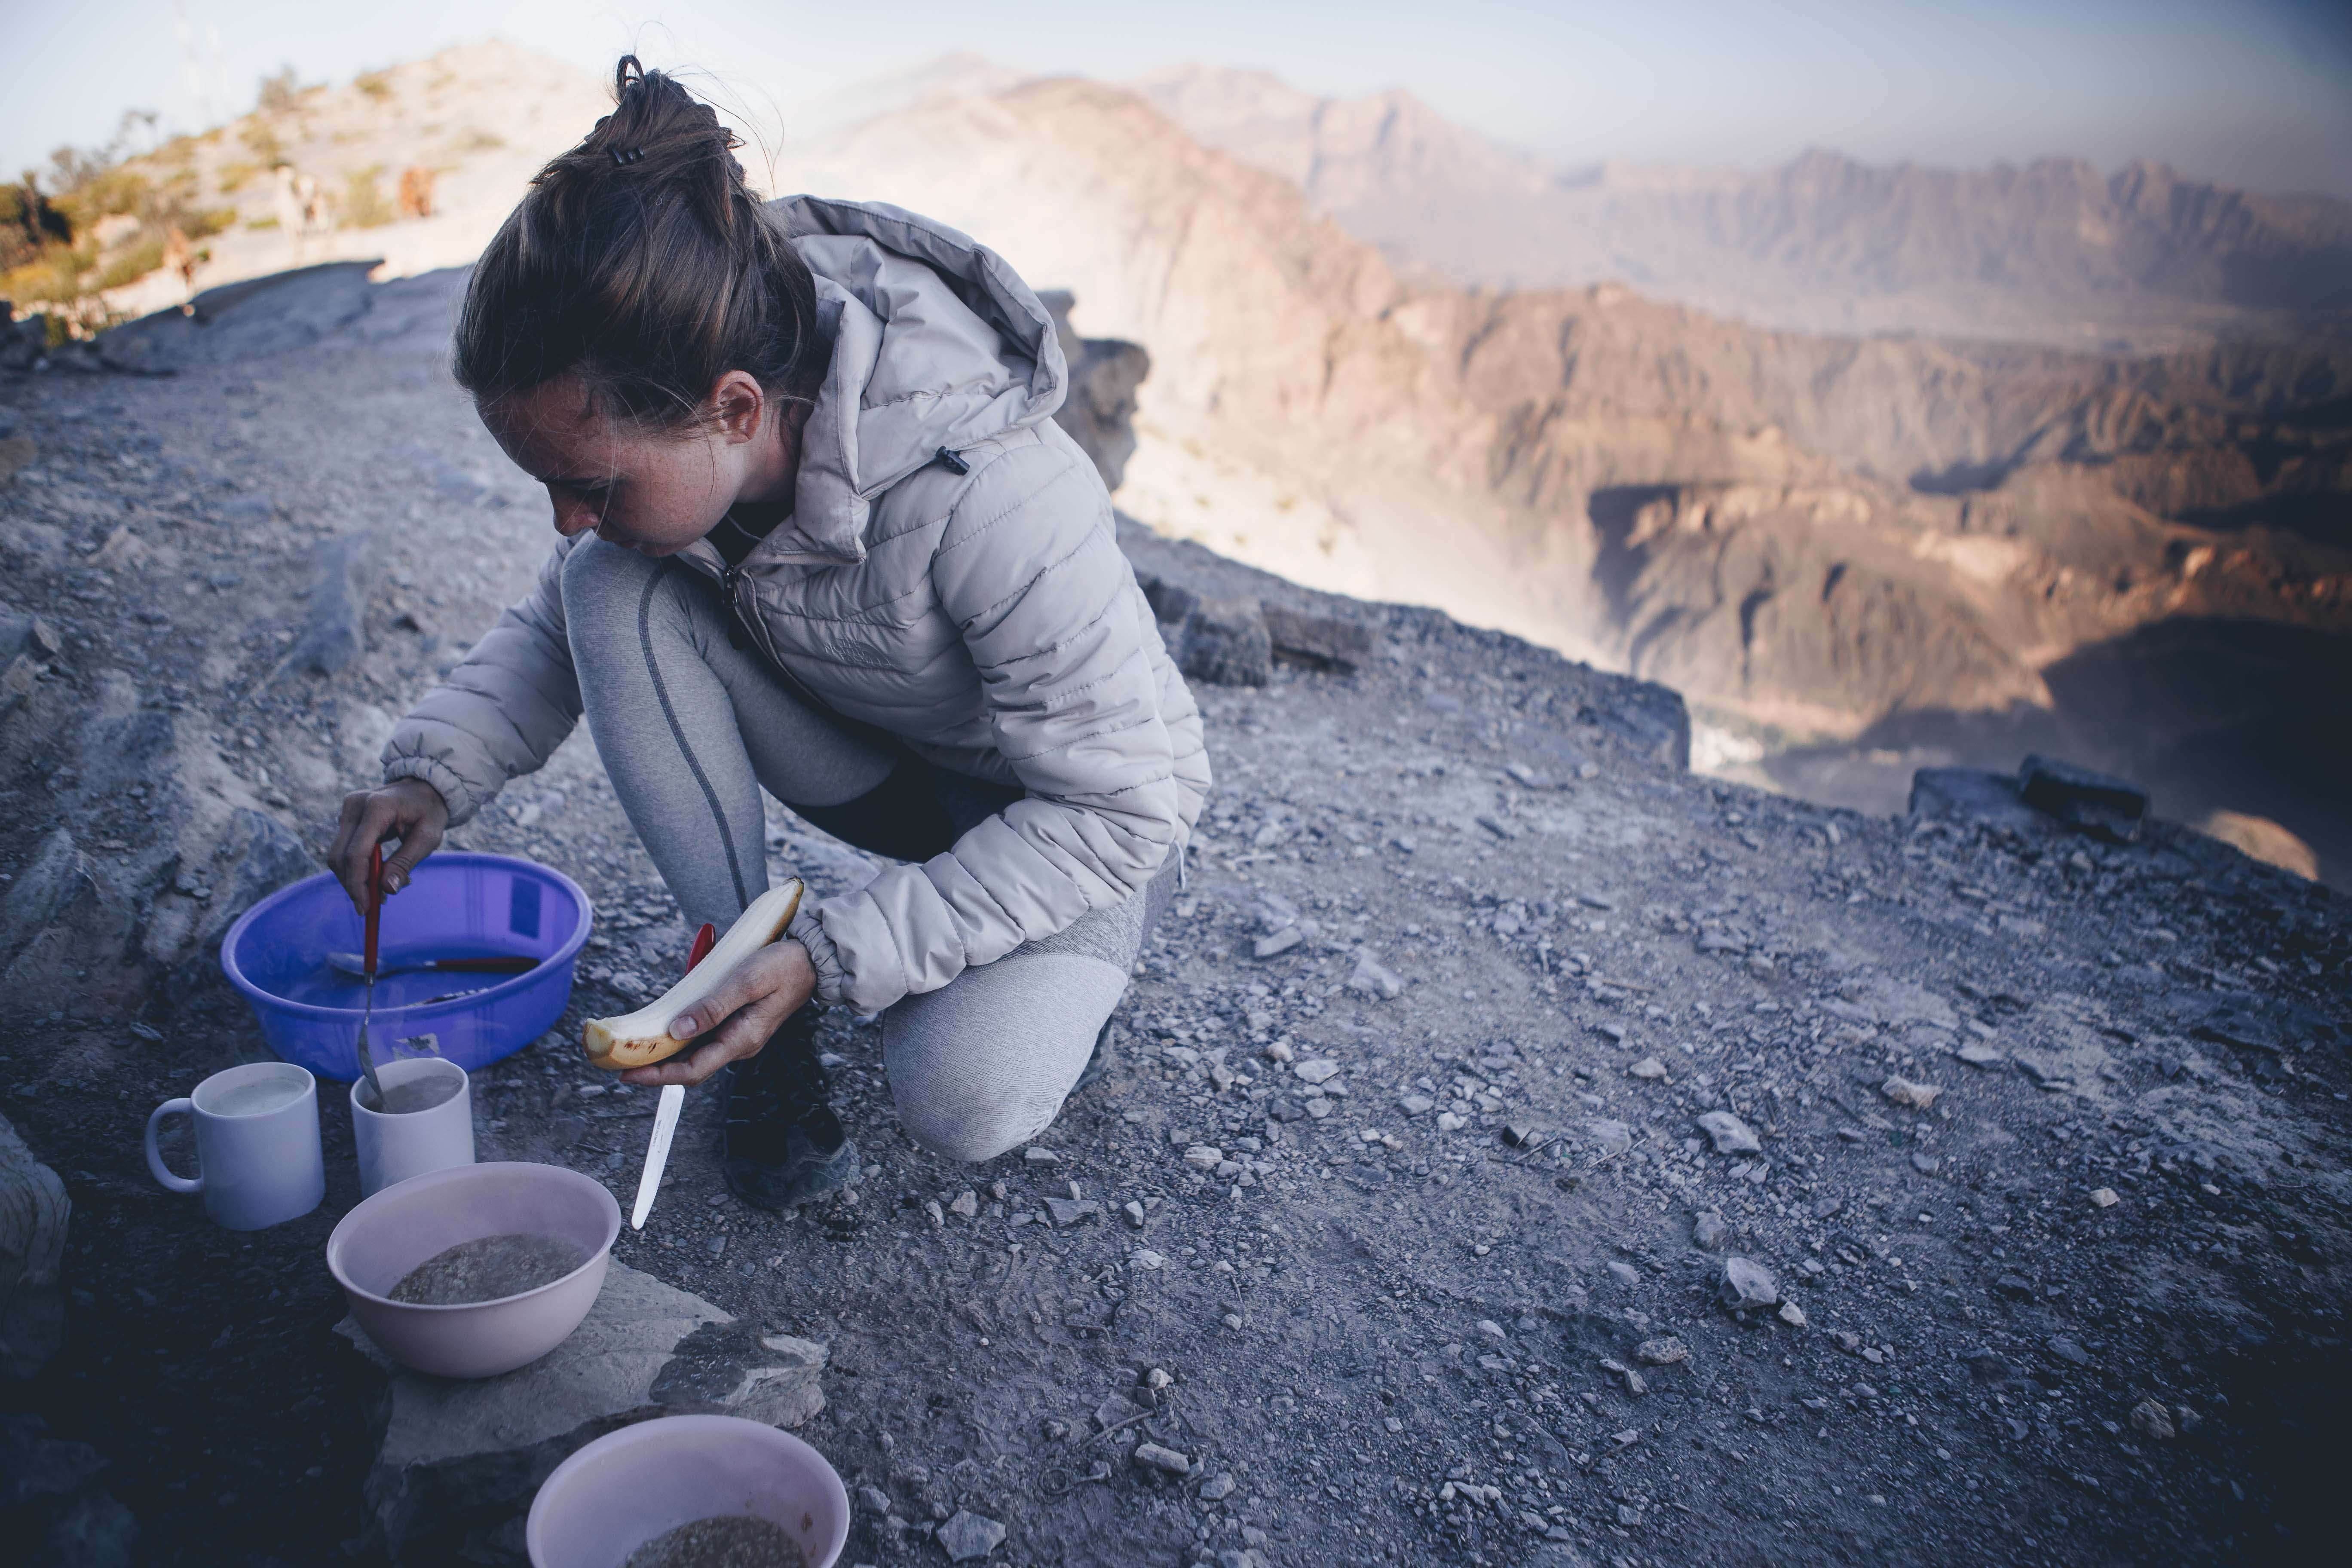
x=270, y=222
x=260, y=139
x=50, y=225
x=131, y=263
x=375, y=84
x=279, y=93
x=363, y=203
x=235, y=176
x=477, y=141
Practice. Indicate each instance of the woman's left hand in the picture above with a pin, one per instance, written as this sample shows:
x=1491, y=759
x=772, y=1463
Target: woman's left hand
x=765, y=989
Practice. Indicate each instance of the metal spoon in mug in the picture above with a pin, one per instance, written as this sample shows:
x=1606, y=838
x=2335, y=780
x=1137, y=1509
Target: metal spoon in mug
x=374, y=924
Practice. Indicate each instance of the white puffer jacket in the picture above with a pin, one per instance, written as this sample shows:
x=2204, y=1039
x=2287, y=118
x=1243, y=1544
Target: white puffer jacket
x=986, y=617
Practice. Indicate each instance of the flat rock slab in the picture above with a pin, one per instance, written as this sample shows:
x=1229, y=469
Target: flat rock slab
x=458, y=1461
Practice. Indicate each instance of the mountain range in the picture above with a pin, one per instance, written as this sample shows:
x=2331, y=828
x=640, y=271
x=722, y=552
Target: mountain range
x=1856, y=553
x=2054, y=250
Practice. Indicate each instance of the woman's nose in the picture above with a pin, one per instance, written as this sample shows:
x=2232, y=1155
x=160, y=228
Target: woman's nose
x=572, y=515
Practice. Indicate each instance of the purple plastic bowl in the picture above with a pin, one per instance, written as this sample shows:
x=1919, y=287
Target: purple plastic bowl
x=458, y=905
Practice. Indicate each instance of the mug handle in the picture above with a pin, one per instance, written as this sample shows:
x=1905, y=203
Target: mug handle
x=155, y=1156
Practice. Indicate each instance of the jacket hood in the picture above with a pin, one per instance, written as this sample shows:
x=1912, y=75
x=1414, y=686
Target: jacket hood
x=936, y=342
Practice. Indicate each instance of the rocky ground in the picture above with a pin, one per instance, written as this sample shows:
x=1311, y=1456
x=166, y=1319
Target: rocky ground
x=1519, y=1151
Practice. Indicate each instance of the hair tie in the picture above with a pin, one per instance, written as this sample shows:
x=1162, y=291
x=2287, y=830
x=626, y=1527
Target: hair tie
x=623, y=159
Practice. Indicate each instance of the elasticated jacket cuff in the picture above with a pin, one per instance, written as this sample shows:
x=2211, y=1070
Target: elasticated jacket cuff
x=462, y=802
x=809, y=932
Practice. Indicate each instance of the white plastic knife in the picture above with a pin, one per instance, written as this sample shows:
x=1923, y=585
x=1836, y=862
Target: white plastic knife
x=673, y=1100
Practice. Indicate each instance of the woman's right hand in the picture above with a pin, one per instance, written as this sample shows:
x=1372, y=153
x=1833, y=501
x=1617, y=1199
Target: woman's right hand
x=408, y=809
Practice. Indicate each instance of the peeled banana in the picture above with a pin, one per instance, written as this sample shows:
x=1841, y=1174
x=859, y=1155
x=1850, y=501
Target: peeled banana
x=642, y=1039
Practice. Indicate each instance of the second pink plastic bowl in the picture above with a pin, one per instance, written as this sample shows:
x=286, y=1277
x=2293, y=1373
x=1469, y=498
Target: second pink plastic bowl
x=641, y=1482
x=379, y=1242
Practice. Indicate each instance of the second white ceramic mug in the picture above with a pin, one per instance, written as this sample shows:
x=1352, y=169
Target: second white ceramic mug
x=394, y=1147
x=259, y=1161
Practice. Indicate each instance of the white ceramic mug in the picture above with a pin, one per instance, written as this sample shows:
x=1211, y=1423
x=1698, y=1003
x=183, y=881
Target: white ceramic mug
x=395, y=1147
x=258, y=1162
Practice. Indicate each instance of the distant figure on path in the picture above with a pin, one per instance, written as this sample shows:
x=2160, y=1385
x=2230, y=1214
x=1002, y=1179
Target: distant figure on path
x=822, y=534
x=289, y=202
x=180, y=260
x=301, y=206
x=416, y=198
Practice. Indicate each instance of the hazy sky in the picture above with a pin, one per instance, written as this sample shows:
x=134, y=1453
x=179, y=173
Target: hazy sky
x=2253, y=92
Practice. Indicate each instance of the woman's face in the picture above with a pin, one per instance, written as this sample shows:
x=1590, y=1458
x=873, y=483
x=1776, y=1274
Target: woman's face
x=654, y=492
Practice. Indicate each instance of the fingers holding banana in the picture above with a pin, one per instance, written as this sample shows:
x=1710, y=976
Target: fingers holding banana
x=736, y=1019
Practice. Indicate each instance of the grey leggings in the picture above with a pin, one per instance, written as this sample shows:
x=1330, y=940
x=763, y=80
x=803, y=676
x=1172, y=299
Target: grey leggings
x=689, y=727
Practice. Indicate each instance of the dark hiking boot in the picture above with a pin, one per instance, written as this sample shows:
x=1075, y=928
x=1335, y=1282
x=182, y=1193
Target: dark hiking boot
x=782, y=1144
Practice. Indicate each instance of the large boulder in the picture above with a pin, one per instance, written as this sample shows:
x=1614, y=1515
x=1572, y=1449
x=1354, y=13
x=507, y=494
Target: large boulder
x=34, y=1210
x=457, y=1462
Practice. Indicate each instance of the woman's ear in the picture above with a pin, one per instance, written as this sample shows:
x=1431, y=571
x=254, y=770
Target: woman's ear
x=737, y=407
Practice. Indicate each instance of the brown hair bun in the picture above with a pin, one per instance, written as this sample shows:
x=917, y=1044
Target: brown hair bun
x=641, y=262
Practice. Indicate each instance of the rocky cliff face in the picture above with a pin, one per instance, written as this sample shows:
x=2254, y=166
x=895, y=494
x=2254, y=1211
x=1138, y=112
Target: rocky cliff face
x=1817, y=536
x=2054, y=250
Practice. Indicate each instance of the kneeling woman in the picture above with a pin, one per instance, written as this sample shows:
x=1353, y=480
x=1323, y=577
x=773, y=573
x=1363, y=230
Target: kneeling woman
x=819, y=533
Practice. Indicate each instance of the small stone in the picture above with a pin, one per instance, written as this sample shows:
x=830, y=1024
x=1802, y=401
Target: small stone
x=1748, y=1284
x=967, y=1536
x=1978, y=1055
x=1147, y=1258
x=1664, y=1352
x=1449, y=1123
x=1037, y=1156
x=967, y=1204
x=1903, y=1091
x=938, y=1215
x=1624, y=1273
x=1372, y=978
x=1731, y=1135
x=1708, y=1231
x=1217, y=1486
x=1635, y=1383
x=1518, y=1134
x=1279, y=1051
x=1792, y=1314
x=1134, y=1212
x=2069, y=1352
x=874, y=1499
x=1206, y=1156
x=2106, y=1198
x=1232, y=1321
x=1924, y=1162
x=1416, y=1105
x=1071, y=1211
x=1319, y=1108
x=1614, y=1136
x=2015, y=1286
x=1321, y=1069
x=1167, y=1460
x=2152, y=1420
x=1280, y=942
x=1648, y=1067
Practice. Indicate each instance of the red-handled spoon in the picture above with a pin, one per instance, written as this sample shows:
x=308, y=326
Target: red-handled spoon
x=374, y=922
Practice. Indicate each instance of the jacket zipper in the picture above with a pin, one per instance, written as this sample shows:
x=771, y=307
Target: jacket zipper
x=731, y=579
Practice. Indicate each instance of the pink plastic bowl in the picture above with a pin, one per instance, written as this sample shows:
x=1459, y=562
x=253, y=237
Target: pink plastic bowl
x=379, y=1242
x=641, y=1482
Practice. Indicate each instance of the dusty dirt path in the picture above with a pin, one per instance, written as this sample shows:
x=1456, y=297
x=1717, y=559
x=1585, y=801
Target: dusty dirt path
x=1407, y=1325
